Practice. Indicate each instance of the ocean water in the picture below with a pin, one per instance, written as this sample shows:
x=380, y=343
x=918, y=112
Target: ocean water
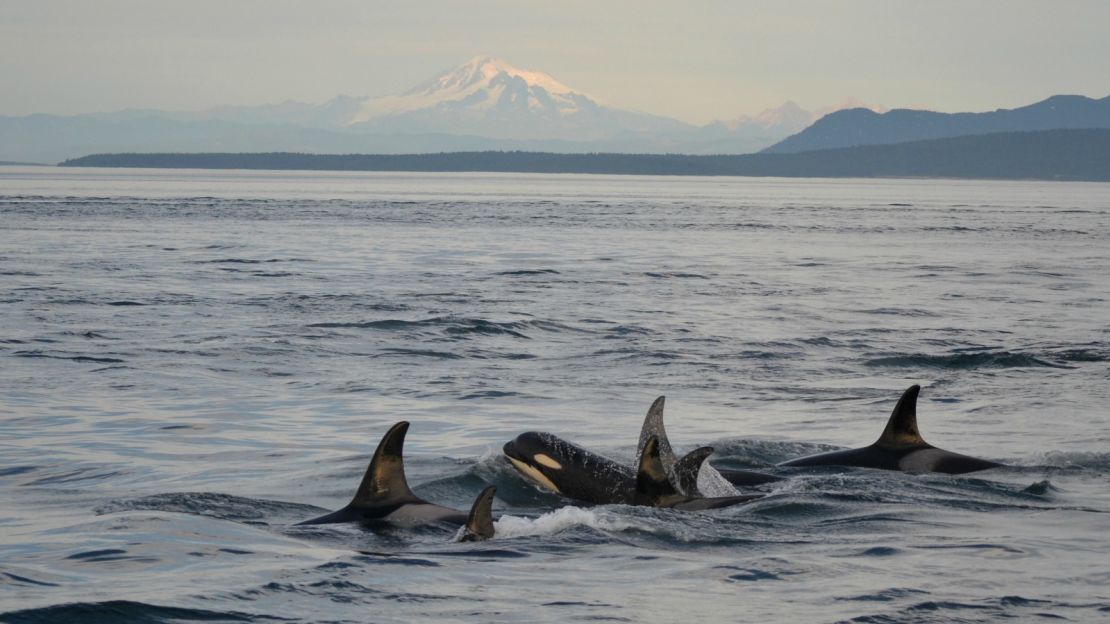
x=191, y=362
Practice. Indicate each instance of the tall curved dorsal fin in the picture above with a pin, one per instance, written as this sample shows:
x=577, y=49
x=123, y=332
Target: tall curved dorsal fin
x=901, y=429
x=653, y=426
x=479, y=524
x=653, y=487
x=384, y=481
x=686, y=470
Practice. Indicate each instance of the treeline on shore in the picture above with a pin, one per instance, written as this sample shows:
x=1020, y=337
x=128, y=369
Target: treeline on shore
x=1072, y=154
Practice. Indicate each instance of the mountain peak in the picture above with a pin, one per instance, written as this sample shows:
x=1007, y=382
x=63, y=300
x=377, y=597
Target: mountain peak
x=790, y=118
x=480, y=84
x=478, y=72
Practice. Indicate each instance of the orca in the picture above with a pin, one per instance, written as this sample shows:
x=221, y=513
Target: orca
x=384, y=496
x=569, y=470
x=679, y=470
x=900, y=447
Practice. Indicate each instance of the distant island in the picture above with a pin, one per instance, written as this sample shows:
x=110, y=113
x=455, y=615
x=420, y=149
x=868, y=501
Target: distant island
x=860, y=126
x=1065, y=154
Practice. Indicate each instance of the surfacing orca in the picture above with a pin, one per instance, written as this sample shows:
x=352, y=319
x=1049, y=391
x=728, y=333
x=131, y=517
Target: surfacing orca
x=384, y=496
x=684, y=472
x=659, y=479
x=900, y=447
x=569, y=470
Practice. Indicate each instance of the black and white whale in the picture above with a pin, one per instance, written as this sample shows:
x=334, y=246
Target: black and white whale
x=569, y=470
x=384, y=496
x=564, y=468
x=900, y=447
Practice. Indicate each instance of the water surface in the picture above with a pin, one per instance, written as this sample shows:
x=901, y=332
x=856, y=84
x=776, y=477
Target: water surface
x=191, y=362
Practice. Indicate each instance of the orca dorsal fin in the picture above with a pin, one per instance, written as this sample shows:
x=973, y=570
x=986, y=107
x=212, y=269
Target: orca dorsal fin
x=653, y=487
x=686, y=470
x=653, y=426
x=384, y=481
x=479, y=524
x=901, y=429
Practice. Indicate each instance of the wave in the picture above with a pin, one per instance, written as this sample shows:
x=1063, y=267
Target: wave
x=1100, y=354
x=981, y=610
x=451, y=326
x=213, y=505
x=248, y=260
x=113, y=611
x=675, y=274
x=72, y=358
x=441, y=355
x=89, y=473
x=965, y=361
x=562, y=519
x=20, y=579
x=911, y=312
x=490, y=394
x=523, y=272
x=743, y=453
x=1073, y=460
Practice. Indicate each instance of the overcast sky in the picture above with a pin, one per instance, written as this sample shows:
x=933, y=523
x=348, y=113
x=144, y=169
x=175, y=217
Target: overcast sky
x=697, y=61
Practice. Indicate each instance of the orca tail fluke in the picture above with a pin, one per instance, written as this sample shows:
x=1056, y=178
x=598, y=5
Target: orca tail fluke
x=479, y=524
x=385, y=476
x=686, y=470
x=901, y=429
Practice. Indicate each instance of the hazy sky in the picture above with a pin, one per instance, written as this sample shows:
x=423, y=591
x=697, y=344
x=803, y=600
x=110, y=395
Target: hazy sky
x=697, y=61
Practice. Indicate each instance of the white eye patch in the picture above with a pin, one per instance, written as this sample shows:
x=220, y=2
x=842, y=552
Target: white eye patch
x=544, y=460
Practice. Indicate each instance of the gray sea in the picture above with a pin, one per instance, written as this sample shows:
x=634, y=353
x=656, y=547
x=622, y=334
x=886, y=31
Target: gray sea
x=193, y=361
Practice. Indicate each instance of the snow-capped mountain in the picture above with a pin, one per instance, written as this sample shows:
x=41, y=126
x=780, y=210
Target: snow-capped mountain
x=483, y=104
x=789, y=118
x=751, y=133
x=489, y=97
x=481, y=84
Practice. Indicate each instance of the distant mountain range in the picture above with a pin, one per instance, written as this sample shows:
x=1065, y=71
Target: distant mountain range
x=483, y=104
x=859, y=126
x=1067, y=154
x=486, y=104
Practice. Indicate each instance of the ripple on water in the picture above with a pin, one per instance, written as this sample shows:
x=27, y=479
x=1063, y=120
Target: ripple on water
x=983, y=610
x=214, y=505
x=965, y=361
x=73, y=358
x=127, y=611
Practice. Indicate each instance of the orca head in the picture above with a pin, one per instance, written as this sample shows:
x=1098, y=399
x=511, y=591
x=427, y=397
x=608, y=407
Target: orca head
x=568, y=470
x=545, y=459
